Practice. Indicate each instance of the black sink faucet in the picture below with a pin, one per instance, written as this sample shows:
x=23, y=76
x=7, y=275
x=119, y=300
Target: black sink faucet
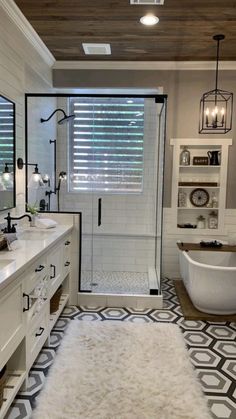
x=10, y=228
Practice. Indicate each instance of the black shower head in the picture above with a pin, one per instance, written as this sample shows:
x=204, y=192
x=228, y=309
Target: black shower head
x=66, y=118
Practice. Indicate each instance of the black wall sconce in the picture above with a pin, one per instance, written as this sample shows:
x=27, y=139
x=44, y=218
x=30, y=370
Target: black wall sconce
x=36, y=178
x=66, y=118
x=216, y=106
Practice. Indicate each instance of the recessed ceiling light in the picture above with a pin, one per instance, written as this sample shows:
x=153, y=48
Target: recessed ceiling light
x=149, y=19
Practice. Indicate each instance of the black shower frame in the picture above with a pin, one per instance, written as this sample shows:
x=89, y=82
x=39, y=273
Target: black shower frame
x=159, y=98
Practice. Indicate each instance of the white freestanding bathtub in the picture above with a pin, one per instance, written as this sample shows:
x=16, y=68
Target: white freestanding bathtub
x=210, y=280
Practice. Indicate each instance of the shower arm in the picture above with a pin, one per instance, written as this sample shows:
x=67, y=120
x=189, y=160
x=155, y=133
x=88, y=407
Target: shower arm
x=50, y=116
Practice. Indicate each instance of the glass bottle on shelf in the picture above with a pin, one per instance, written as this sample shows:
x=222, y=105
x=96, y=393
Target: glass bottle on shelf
x=182, y=199
x=214, y=200
x=213, y=220
x=201, y=222
x=184, y=157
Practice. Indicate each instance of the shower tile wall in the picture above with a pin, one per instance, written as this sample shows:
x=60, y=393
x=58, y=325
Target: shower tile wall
x=39, y=149
x=125, y=240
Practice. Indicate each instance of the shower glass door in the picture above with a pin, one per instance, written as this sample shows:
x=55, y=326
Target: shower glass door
x=117, y=164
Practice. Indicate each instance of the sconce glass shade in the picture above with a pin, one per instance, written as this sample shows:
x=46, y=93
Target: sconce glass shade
x=35, y=180
x=216, y=110
x=7, y=177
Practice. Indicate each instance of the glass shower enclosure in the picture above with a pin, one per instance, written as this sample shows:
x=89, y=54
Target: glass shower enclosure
x=112, y=151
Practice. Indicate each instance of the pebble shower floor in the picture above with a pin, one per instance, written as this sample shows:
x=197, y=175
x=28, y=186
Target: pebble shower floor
x=211, y=345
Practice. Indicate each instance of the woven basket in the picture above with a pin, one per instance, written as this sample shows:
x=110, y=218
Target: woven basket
x=3, y=243
x=54, y=302
x=3, y=377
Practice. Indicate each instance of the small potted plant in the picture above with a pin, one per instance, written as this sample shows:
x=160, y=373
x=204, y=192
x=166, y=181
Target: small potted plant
x=33, y=209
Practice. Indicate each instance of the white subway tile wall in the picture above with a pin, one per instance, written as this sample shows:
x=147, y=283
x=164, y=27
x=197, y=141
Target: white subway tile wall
x=125, y=240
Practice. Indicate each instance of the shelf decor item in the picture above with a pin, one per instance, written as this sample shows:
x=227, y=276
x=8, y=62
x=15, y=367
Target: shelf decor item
x=199, y=197
x=182, y=199
x=214, y=157
x=198, y=184
x=201, y=222
x=213, y=220
x=216, y=106
x=184, y=159
x=200, y=161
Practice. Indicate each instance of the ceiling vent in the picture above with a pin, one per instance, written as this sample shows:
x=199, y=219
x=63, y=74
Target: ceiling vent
x=97, y=49
x=143, y=2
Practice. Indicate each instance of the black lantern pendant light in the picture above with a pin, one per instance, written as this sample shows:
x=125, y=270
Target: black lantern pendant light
x=216, y=106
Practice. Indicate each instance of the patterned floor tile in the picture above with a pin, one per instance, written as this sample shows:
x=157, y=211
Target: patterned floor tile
x=45, y=359
x=203, y=357
x=20, y=408
x=87, y=316
x=227, y=349
x=211, y=348
x=163, y=315
x=138, y=319
x=222, y=407
x=114, y=313
x=213, y=381
x=193, y=338
x=230, y=368
x=35, y=383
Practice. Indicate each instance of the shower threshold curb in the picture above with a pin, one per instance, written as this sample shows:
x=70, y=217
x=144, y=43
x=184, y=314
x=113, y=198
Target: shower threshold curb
x=120, y=300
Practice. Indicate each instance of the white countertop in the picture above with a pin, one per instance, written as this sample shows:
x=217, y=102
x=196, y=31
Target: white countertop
x=28, y=250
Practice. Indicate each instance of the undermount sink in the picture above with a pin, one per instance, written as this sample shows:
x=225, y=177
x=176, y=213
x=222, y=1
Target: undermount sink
x=34, y=235
x=5, y=262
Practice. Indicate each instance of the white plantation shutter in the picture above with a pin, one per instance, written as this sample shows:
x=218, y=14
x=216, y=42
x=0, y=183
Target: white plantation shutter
x=106, y=144
x=6, y=133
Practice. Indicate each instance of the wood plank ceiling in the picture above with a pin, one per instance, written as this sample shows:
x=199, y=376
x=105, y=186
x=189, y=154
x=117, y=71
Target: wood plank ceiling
x=184, y=32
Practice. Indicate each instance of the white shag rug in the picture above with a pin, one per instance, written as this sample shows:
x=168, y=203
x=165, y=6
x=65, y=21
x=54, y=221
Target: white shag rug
x=121, y=370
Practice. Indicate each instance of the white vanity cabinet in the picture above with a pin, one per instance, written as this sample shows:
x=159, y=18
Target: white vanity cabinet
x=12, y=329
x=25, y=315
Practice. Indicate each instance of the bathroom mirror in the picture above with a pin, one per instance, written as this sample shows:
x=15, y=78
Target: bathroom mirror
x=7, y=153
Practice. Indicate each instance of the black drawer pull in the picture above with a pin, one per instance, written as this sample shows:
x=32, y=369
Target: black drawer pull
x=67, y=243
x=28, y=302
x=40, y=268
x=40, y=332
x=54, y=271
x=67, y=263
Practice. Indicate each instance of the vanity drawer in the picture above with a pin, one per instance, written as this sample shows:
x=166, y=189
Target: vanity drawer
x=55, y=270
x=35, y=274
x=37, y=335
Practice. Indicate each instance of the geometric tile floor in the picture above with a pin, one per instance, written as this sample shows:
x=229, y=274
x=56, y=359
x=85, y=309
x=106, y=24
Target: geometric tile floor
x=211, y=345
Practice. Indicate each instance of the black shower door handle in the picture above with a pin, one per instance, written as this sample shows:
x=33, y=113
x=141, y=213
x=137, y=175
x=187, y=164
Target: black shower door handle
x=99, y=211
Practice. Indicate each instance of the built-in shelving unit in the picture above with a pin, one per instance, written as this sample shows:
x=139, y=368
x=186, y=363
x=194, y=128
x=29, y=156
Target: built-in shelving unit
x=210, y=177
x=54, y=316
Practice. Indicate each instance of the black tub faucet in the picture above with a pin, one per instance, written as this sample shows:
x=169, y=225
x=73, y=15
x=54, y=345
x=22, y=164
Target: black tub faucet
x=11, y=228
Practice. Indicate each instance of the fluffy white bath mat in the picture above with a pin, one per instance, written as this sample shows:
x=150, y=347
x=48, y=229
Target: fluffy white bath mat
x=121, y=370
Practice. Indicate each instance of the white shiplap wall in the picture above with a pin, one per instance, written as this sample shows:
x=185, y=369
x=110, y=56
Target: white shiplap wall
x=22, y=70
